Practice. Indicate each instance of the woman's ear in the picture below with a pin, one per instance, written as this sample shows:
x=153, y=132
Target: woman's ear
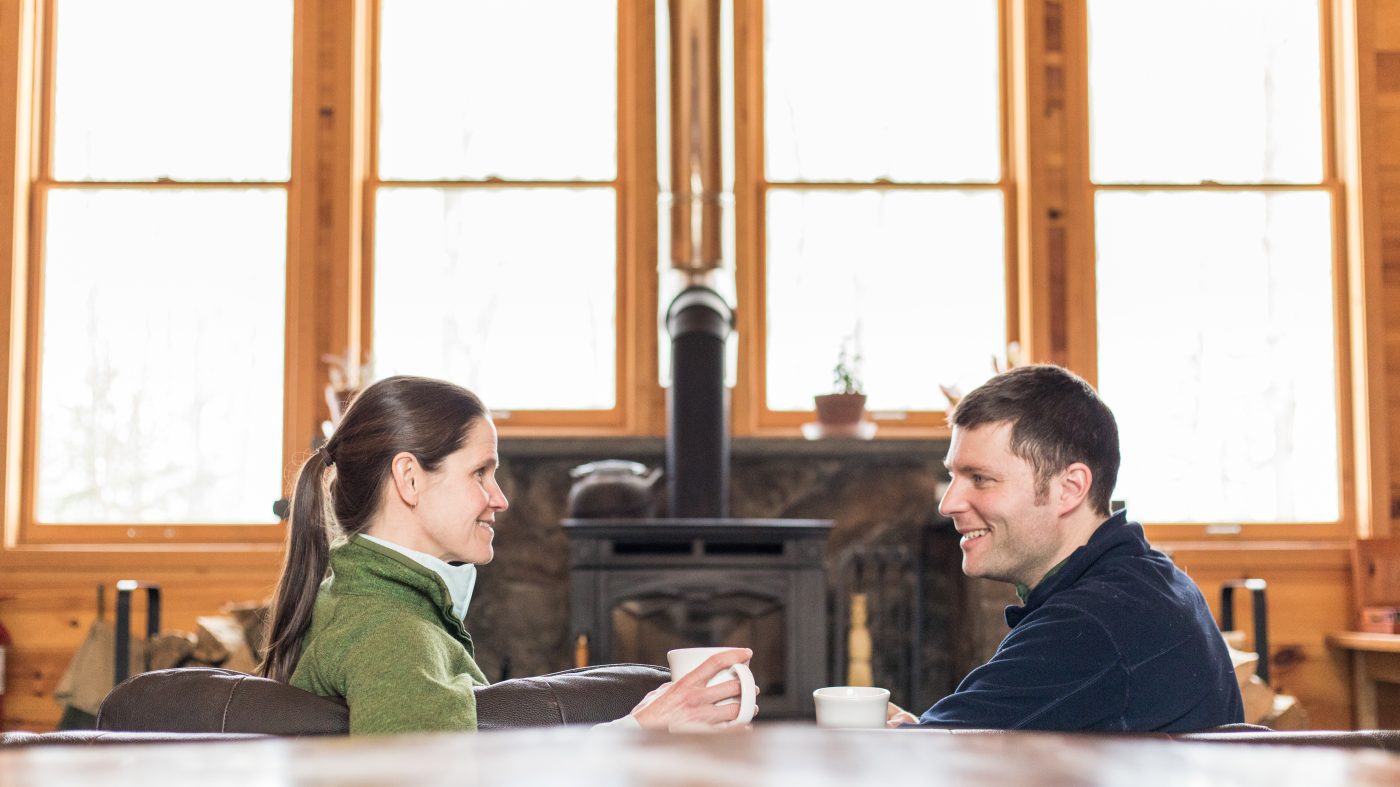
x=406, y=475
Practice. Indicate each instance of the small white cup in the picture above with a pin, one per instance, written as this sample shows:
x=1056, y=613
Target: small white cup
x=852, y=706
x=683, y=660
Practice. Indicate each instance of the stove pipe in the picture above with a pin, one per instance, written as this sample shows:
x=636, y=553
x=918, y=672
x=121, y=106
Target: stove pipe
x=698, y=320
x=697, y=408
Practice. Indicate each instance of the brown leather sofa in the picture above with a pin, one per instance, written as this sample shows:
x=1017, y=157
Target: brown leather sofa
x=219, y=704
x=221, y=701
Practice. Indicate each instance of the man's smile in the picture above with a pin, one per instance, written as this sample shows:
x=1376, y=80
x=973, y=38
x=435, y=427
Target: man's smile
x=973, y=535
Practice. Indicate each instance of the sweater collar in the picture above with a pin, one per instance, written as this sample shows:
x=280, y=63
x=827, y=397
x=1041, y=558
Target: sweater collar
x=1115, y=534
x=460, y=579
x=361, y=566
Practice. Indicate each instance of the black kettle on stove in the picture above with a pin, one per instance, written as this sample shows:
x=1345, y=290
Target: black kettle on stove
x=614, y=488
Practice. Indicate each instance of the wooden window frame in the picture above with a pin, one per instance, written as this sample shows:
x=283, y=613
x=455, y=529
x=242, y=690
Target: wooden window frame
x=1049, y=235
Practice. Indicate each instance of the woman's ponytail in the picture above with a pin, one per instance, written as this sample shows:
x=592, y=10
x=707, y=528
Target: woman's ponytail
x=308, y=548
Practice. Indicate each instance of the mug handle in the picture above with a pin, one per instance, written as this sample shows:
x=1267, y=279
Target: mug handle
x=747, y=694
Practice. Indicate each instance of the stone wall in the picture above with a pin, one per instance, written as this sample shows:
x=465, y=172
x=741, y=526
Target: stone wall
x=882, y=496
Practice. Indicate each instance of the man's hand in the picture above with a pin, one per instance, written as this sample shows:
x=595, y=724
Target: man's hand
x=896, y=716
x=688, y=702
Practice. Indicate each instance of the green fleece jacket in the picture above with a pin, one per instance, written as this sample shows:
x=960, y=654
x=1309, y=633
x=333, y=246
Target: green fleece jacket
x=383, y=637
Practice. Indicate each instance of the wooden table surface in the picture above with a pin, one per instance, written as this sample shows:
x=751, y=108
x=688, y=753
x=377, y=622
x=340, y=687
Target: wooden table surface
x=779, y=754
x=1375, y=659
x=1365, y=641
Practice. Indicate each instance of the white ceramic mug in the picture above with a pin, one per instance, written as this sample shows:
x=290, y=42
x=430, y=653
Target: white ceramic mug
x=852, y=706
x=683, y=660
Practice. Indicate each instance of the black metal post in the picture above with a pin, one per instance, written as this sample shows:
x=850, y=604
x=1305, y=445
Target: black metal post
x=1256, y=587
x=123, y=639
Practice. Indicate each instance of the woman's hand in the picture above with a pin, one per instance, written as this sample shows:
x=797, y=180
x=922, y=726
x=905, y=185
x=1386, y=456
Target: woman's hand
x=688, y=702
x=895, y=716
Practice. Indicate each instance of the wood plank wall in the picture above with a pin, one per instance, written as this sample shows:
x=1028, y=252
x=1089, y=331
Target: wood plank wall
x=1387, y=19
x=51, y=608
x=1308, y=595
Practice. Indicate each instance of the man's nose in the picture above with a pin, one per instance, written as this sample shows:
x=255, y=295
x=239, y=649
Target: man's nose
x=952, y=502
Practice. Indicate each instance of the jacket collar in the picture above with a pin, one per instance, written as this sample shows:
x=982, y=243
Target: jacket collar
x=1115, y=535
x=361, y=567
x=460, y=579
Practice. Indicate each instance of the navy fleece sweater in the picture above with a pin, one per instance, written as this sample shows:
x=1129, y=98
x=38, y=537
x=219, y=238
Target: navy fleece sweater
x=1117, y=639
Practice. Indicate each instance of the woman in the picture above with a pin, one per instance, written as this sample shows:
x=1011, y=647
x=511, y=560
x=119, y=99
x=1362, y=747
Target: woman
x=413, y=500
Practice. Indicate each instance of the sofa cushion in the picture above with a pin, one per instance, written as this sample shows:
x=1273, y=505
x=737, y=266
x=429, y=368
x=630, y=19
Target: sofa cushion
x=586, y=695
x=211, y=700
x=208, y=699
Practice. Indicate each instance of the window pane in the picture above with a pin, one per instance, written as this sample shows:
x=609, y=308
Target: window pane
x=1216, y=353
x=1198, y=90
x=898, y=89
x=510, y=292
x=146, y=89
x=920, y=276
x=162, y=356
x=505, y=88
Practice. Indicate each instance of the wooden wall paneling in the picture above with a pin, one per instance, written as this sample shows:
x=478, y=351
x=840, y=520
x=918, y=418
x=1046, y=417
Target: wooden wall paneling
x=50, y=613
x=1385, y=26
x=1308, y=595
x=1392, y=371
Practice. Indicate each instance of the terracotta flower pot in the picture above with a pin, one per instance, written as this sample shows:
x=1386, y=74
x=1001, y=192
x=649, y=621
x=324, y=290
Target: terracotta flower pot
x=840, y=408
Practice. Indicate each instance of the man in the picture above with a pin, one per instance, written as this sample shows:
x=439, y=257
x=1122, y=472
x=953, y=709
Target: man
x=1111, y=636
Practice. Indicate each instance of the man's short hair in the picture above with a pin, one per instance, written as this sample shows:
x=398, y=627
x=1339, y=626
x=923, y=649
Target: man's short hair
x=1056, y=420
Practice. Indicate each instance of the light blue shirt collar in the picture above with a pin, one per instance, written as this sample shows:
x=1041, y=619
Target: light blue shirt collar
x=460, y=580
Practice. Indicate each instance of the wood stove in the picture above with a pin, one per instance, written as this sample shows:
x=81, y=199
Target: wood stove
x=640, y=587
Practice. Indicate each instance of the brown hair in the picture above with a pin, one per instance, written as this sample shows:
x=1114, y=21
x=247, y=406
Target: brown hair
x=1056, y=420
x=430, y=419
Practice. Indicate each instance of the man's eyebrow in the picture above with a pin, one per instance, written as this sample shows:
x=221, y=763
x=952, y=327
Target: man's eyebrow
x=966, y=468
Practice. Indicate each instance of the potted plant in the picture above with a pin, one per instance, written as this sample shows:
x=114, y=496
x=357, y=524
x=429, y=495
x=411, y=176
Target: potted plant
x=846, y=405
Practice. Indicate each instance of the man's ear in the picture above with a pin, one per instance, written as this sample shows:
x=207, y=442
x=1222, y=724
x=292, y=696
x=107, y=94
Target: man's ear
x=1074, y=483
x=405, y=475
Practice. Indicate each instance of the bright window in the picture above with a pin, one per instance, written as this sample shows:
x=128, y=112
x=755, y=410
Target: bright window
x=1213, y=228
x=163, y=263
x=496, y=248
x=884, y=220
